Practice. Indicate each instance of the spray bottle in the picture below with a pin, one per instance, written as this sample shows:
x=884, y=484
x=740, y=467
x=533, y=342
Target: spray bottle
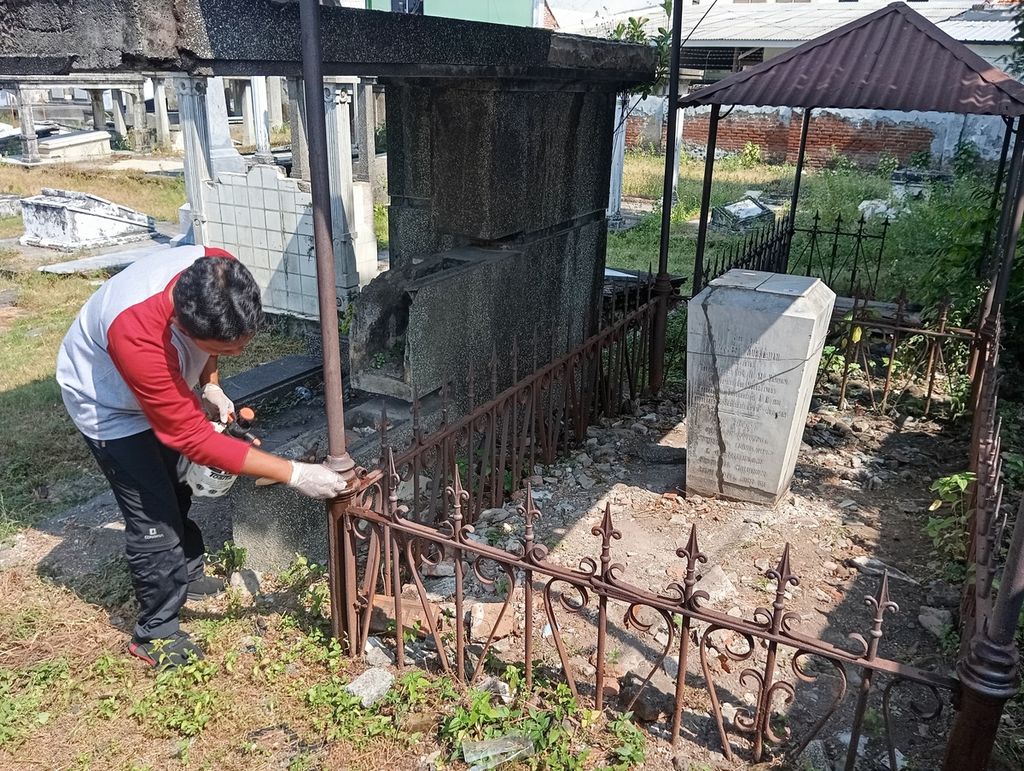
x=209, y=482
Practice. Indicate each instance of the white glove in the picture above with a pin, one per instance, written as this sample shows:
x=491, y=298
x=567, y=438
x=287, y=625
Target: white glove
x=316, y=480
x=218, y=402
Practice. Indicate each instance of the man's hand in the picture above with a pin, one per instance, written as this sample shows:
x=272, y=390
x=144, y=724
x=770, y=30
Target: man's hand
x=316, y=480
x=218, y=403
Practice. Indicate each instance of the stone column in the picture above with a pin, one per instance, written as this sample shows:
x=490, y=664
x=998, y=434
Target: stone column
x=297, y=123
x=337, y=106
x=163, y=123
x=274, y=102
x=248, y=119
x=754, y=341
x=195, y=134
x=614, y=211
x=365, y=127
x=99, y=115
x=140, y=131
x=28, y=126
x=261, y=120
x=223, y=155
x=117, y=103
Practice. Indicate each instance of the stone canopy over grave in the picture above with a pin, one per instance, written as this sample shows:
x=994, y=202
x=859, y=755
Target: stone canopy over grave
x=754, y=341
x=498, y=164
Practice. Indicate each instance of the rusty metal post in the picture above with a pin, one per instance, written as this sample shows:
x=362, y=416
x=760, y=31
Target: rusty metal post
x=705, y=199
x=805, y=125
x=342, y=565
x=989, y=675
x=663, y=284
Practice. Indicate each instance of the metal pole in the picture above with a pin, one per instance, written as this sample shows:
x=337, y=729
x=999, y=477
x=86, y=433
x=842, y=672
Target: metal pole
x=1013, y=176
x=989, y=676
x=986, y=260
x=342, y=547
x=805, y=124
x=663, y=283
x=1009, y=247
x=705, y=199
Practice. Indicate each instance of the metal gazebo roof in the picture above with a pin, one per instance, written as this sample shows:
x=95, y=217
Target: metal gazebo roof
x=892, y=59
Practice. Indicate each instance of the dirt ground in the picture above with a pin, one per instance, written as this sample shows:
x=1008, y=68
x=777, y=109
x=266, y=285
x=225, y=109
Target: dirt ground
x=860, y=490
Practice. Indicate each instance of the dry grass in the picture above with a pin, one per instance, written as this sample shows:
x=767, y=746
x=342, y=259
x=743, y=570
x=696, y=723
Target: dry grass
x=75, y=700
x=11, y=227
x=158, y=197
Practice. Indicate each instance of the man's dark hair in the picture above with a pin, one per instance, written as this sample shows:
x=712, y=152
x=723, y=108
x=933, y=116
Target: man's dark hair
x=216, y=298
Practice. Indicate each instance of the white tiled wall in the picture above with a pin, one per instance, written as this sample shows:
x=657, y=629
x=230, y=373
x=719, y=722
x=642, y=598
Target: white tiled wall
x=265, y=219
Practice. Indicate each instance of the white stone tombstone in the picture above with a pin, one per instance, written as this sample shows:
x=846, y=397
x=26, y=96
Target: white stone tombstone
x=754, y=341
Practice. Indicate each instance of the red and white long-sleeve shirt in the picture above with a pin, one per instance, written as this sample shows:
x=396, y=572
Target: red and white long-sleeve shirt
x=124, y=367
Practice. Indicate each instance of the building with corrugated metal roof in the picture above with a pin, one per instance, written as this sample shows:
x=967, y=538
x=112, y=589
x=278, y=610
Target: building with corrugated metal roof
x=721, y=37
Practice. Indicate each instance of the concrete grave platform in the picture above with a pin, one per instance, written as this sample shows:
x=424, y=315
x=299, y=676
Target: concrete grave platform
x=69, y=221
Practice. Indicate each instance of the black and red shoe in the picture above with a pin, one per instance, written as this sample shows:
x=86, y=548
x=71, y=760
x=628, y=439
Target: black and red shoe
x=174, y=651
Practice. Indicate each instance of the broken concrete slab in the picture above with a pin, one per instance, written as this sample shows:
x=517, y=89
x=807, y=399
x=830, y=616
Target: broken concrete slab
x=745, y=214
x=10, y=205
x=109, y=261
x=68, y=221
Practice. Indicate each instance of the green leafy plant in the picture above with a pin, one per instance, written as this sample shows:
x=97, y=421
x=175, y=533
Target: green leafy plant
x=751, y=155
x=887, y=164
x=922, y=159
x=946, y=529
x=341, y=715
x=630, y=753
x=26, y=694
x=230, y=558
x=966, y=158
x=182, y=701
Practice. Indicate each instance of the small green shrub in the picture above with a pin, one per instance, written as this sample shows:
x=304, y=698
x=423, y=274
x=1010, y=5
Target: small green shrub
x=229, y=559
x=922, y=159
x=947, y=530
x=751, y=155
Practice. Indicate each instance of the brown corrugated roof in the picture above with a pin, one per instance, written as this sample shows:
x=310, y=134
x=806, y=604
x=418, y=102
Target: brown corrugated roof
x=892, y=59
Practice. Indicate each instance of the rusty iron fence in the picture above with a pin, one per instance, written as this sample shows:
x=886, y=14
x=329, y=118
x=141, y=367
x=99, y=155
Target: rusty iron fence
x=847, y=256
x=766, y=249
x=499, y=442
x=987, y=518
x=763, y=651
x=897, y=358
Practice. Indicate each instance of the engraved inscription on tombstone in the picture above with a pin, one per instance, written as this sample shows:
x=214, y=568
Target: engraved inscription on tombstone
x=754, y=341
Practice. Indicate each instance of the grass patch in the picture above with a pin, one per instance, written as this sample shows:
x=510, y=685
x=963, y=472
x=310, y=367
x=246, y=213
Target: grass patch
x=380, y=225
x=42, y=451
x=11, y=227
x=272, y=342
x=159, y=197
x=31, y=410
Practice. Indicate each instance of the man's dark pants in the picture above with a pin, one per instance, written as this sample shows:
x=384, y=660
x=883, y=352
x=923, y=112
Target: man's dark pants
x=164, y=547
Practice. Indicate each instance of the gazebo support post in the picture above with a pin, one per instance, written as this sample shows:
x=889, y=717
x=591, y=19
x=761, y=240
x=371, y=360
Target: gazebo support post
x=663, y=283
x=1013, y=175
x=805, y=125
x=986, y=259
x=705, y=199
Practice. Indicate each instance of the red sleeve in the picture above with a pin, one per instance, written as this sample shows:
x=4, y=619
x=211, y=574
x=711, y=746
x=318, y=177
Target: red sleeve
x=149, y=365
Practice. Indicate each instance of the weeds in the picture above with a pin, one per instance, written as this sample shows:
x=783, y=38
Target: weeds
x=182, y=700
x=947, y=530
x=229, y=559
x=25, y=694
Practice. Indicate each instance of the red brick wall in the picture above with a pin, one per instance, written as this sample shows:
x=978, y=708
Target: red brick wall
x=779, y=137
